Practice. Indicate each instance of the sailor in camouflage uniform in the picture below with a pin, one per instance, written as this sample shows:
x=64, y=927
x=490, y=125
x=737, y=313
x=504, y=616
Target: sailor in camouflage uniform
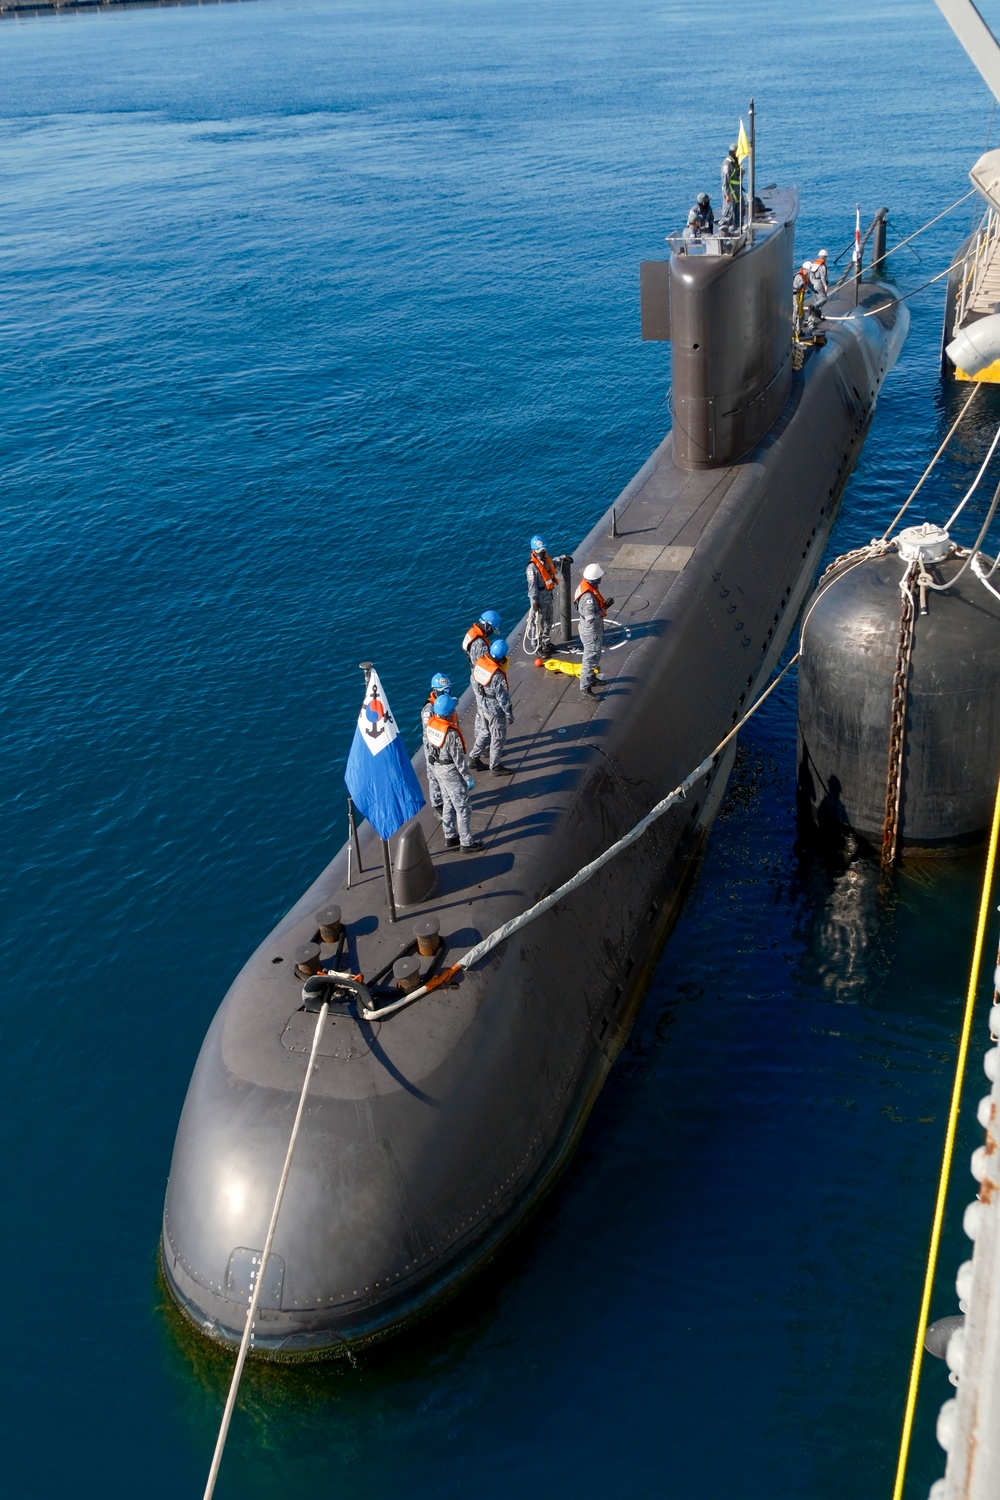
x=541, y=572
x=592, y=608
x=494, y=709
x=446, y=752
x=477, y=644
x=439, y=684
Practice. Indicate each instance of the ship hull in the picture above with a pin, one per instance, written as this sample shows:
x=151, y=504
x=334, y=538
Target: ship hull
x=429, y=1136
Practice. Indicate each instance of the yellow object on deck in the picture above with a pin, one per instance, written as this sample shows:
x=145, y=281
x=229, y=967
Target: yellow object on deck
x=568, y=668
x=989, y=376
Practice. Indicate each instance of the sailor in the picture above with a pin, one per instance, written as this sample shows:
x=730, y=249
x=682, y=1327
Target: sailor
x=732, y=187
x=478, y=636
x=706, y=213
x=592, y=608
x=801, y=282
x=494, y=712
x=439, y=684
x=819, y=282
x=692, y=229
x=446, y=751
x=541, y=573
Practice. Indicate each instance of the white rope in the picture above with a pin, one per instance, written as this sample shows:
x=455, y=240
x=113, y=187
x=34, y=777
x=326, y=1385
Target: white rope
x=227, y=1415
x=984, y=578
x=532, y=632
x=939, y=588
x=947, y=439
x=582, y=876
x=974, y=485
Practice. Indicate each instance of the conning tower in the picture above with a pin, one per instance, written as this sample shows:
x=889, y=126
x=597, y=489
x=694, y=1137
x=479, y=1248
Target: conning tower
x=724, y=302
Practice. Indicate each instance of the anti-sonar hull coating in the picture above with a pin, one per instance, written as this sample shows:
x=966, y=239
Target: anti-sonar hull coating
x=430, y=1135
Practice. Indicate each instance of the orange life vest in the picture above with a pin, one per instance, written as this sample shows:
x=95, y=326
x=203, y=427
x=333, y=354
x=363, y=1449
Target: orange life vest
x=483, y=669
x=586, y=587
x=474, y=633
x=542, y=564
x=437, y=730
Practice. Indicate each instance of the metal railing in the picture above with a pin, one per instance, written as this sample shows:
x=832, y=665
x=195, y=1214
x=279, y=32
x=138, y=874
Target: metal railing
x=978, y=259
x=708, y=244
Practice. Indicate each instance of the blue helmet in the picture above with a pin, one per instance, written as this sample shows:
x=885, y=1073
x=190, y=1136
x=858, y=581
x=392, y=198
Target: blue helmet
x=490, y=619
x=537, y=544
x=445, y=706
x=499, y=649
x=440, y=683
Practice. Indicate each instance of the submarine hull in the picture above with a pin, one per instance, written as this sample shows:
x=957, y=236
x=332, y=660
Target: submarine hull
x=429, y=1136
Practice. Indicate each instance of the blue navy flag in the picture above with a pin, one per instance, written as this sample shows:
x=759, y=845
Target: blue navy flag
x=379, y=775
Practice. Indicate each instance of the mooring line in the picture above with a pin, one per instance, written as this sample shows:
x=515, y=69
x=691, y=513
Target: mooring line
x=948, y=437
x=241, y=1357
x=946, y=1159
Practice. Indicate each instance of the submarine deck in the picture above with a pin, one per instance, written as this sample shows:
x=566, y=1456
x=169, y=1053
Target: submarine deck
x=665, y=520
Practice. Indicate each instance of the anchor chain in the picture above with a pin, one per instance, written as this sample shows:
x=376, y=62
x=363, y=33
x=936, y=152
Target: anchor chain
x=897, y=720
x=877, y=547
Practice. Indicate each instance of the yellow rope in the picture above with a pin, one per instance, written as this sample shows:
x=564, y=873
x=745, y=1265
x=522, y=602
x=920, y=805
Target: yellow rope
x=949, y=1148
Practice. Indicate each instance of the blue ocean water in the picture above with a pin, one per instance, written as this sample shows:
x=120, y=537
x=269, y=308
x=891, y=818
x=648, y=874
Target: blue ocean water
x=312, y=312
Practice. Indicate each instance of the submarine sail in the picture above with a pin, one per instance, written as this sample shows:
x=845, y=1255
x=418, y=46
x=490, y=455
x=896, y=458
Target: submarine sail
x=430, y=1134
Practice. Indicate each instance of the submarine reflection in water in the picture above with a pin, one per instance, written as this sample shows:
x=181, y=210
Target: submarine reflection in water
x=428, y=1136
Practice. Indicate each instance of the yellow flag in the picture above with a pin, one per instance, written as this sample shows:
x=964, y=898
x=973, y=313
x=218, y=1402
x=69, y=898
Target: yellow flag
x=742, y=145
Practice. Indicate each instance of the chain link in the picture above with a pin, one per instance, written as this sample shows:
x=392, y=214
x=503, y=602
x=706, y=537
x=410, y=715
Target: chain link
x=874, y=548
x=897, y=720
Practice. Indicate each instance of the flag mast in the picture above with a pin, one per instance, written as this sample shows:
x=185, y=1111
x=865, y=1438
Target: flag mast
x=750, y=172
x=390, y=897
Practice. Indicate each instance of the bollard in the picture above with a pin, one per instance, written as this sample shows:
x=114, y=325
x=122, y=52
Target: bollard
x=565, y=598
x=426, y=934
x=406, y=972
x=307, y=960
x=330, y=925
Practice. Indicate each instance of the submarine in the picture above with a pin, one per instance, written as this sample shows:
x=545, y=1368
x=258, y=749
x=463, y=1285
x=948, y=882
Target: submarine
x=432, y=1132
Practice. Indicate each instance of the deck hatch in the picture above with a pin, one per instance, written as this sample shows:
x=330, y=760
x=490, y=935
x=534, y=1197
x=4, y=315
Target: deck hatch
x=642, y=557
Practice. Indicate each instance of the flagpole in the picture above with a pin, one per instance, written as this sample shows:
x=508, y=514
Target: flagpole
x=750, y=173
x=387, y=863
x=380, y=781
x=352, y=842
x=856, y=257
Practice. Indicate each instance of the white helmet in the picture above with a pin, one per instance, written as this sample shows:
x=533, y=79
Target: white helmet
x=593, y=572
x=807, y=265
x=821, y=255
